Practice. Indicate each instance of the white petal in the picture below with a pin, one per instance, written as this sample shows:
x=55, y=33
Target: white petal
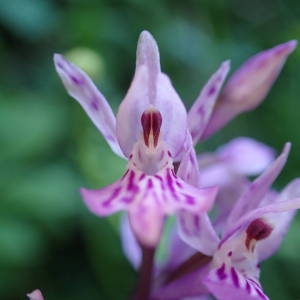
x=151, y=88
x=200, y=112
x=81, y=88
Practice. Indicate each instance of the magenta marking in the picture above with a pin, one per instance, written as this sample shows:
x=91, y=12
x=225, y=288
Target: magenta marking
x=127, y=199
x=149, y=184
x=197, y=222
x=131, y=186
x=248, y=287
x=76, y=80
x=211, y=91
x=95, y=104
x=158, y=177
x=178, y=184
x=113, y=195
x=221, y=272
x=189, y=199
x=235, y=278
x=60, y=65
x=142, y=177
x=261, y=294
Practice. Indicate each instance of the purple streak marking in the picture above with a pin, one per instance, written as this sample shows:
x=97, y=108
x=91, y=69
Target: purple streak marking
x=142, y=177
x=149, y=184
x=178, y=184
x=77, y=81
x=113, y=195
x=95, y=104
x=197, y=222
x=189, y=199
x=211, y=91
x=234, y=277
x=221, y=273
x=248, y=287
x=131, y=186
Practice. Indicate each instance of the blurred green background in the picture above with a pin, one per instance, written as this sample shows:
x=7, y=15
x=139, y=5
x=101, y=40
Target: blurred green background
x=49, y=148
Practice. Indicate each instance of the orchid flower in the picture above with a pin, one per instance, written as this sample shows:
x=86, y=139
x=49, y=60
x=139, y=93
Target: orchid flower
x=252, y=232
x=151, y=131
x=35, y=295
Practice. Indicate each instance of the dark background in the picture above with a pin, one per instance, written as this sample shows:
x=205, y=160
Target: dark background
x=49, y=148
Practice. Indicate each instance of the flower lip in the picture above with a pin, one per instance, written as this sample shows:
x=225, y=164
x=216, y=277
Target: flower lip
x=151, y=120
x=257, y=230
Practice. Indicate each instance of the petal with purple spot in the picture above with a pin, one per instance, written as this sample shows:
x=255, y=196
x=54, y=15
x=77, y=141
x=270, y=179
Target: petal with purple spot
x=200, y=112
x=151, y=88
x=81, y=88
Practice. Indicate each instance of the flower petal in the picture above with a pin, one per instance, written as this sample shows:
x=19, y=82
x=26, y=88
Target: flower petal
x=278, y=207
x=197, y=231
x=246, y=156
x=146, y=220
x=227, y=283
x=81, y=88
x=280, y=222
x=151, y=88
x=188, y=169
x=177, y=252
x=148, y=198
x=130, y=245
x=200, y=112
x=35, y=295
x=255, y=193
x=249, y=85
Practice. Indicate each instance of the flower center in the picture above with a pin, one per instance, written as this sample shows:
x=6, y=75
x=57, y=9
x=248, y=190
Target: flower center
x=151, y=122
x=256, y=231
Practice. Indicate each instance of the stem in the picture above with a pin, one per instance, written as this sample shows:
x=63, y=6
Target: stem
x=145, y=274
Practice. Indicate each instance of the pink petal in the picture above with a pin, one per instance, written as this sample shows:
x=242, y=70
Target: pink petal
x=246, y=156
x=199, y=114
x=258, y=189
x=148, y=196
x=81, y=88
x=278, y=207
x=227, y=283
x=249, y=85
x=280, y=222
x=147, y=220
x=130, y=245
x=35, y=295
x=188, y=169
x=197, y=231
x=151, y=88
